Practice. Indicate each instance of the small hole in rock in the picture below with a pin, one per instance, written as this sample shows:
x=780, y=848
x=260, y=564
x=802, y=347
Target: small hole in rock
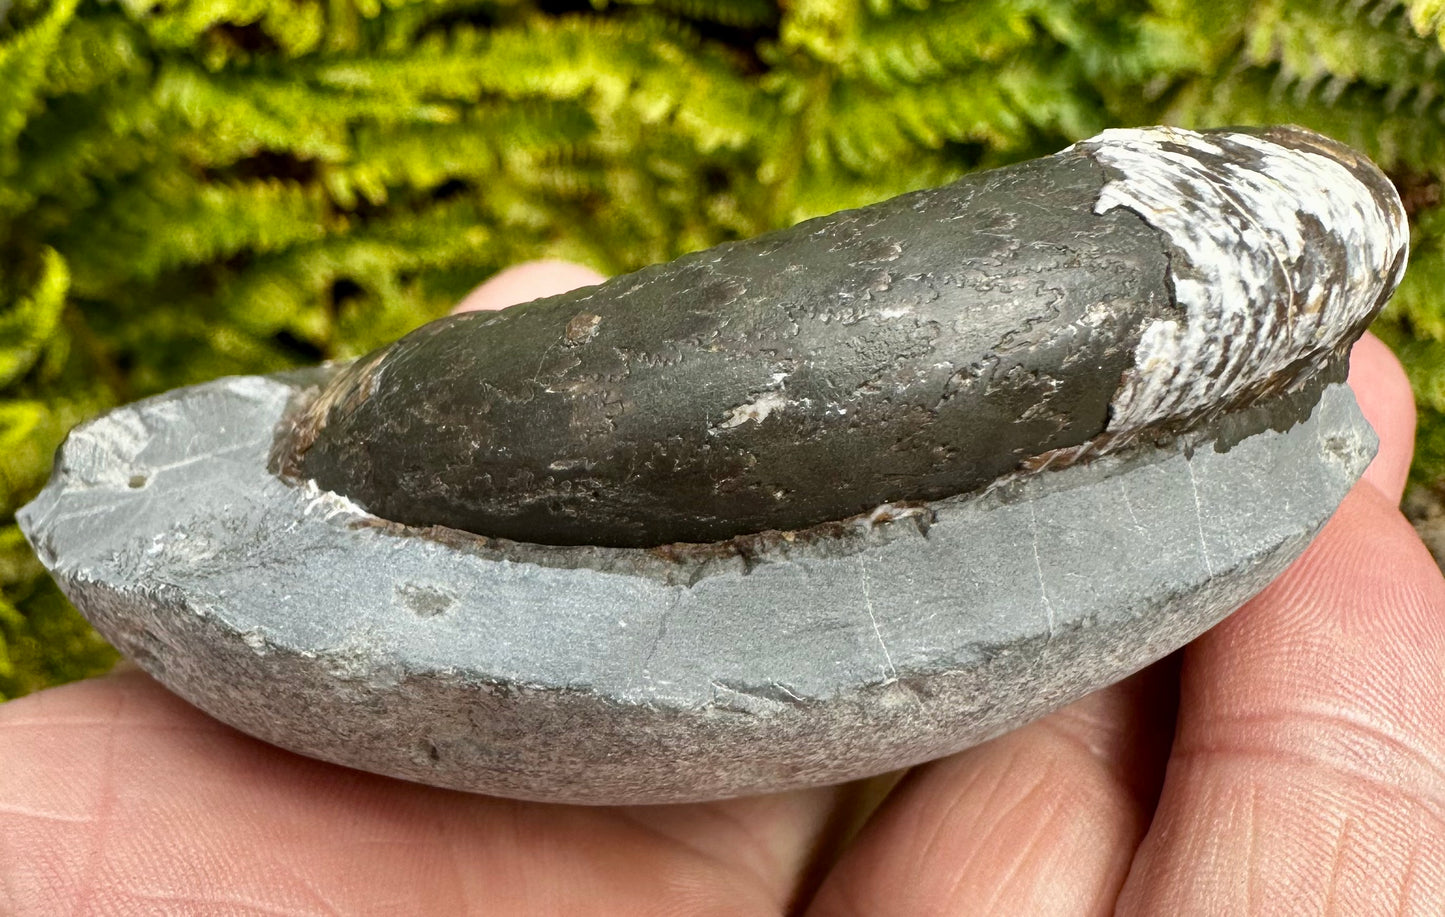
x=424, y=601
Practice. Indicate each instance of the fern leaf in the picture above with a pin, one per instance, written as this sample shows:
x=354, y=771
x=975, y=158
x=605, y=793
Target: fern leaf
x=739, y=14
x=93, y=52
x=1003, y=108
x=913, y=46
x=826, y=30
x=295, y=27
x=1427, y=17
x=241, y=113
x=203, y=223
x=1315, y=42
x=27, y=327
x=1189, y=37
x=23, y=62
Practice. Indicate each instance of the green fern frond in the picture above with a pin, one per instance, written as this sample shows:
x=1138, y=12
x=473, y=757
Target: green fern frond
x=1185, y=37
x=74, y=146
x=23, y=64
x=1336, y=45
x=1003, y=107
x=204, y=222
x=1427, y=17
x=294, y=27
x=639, y=64
x=93, y=52
x=740, y=14
x=290, y=290
x=28, y=327
x=230, y=115
x=825, y=30
x=925, y=44
x=1397, y=132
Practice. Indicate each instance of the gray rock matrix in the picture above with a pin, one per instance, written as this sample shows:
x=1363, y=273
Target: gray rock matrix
x=618, y=676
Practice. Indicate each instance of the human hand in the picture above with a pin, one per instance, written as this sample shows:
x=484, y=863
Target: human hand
x=1292, y=759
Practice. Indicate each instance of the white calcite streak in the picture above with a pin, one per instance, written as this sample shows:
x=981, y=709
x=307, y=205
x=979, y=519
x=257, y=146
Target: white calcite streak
x=1279, y=254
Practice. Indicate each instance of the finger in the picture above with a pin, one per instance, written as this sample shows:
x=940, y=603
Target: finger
x=1308, y=773
x=526, y=282
x=113, y=791
x=1043, y=820
x=1385, y=399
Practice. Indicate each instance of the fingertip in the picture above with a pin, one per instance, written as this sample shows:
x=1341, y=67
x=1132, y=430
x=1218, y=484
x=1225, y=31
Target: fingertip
x=1383, y=392
x=1310, y=737
x=528, y=281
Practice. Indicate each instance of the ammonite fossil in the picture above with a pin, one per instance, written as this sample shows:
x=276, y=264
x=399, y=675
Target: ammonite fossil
x=792, y=510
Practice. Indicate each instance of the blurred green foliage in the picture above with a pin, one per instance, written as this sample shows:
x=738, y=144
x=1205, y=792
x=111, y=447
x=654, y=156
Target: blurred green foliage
x=190, y=188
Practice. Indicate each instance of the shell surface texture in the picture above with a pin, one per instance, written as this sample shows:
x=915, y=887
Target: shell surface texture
x=789, y=511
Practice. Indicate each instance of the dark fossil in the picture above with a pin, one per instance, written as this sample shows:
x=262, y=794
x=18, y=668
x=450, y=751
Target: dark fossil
x=913, y=350
x=787, y=511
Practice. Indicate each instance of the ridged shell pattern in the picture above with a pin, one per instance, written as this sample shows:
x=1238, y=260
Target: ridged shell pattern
x=1301, y=255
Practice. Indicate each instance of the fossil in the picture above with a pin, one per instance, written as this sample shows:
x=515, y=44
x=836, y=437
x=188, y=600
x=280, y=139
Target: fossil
x=913, y=350
x=792, y=510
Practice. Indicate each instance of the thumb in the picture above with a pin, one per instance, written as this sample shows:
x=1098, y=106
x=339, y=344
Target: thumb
x=528, y=281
